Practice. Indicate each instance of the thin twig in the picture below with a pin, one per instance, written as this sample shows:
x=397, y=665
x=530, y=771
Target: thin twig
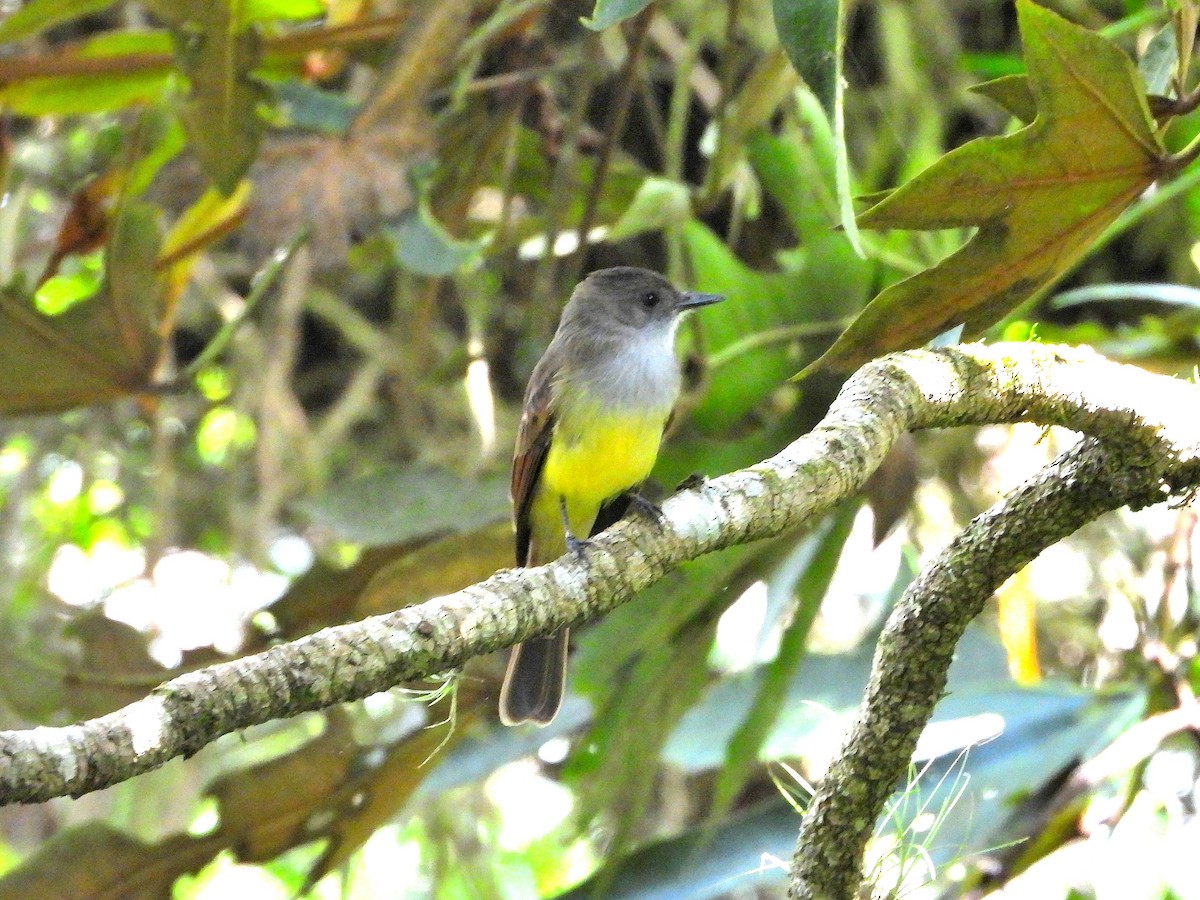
x=612, y=132
x=261, y=286
x=544, y=304
x=67, y=60
x=788, y=334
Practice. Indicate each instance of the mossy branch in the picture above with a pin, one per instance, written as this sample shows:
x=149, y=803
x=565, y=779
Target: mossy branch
x=1143, y=445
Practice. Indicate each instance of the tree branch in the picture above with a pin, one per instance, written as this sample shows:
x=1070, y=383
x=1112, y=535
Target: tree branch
x=917, y=646
x=1146, y=423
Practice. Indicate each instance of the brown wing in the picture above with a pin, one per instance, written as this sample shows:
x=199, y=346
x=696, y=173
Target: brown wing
x=533, y=443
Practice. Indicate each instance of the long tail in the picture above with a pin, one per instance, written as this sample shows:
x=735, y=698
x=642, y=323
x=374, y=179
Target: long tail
x=535, y=680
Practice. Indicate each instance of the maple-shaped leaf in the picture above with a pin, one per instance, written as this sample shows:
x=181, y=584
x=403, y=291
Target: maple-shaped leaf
x=1039, y=196
x=1011, y=93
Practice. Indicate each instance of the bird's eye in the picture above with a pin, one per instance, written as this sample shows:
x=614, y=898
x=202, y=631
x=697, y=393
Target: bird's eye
x=650, y=300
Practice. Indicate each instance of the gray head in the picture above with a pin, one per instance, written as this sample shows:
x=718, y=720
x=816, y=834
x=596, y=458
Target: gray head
x=625, y=301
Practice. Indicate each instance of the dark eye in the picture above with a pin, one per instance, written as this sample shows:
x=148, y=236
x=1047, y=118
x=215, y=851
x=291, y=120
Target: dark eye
x=650, y=300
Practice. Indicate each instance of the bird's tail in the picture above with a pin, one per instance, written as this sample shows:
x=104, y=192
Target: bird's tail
x=535, y=680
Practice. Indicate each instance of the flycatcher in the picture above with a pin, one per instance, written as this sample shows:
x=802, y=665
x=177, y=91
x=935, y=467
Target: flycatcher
x=593, y=419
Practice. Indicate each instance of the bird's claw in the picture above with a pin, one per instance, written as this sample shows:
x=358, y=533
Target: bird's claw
x=646, y=507
x=577, y=547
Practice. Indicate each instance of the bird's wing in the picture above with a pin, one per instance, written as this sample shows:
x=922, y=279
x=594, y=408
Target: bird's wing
x=529, y=455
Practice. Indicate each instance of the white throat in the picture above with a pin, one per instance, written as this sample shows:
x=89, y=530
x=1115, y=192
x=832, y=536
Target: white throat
x=644, y=374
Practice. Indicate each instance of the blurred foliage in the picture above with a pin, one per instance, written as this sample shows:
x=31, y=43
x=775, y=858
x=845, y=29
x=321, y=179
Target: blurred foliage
x=273, y=274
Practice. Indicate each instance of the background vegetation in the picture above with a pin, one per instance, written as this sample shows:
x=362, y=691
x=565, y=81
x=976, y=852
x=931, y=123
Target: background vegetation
x=275, y=273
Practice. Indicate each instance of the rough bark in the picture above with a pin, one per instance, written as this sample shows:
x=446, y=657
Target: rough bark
x=917, y=646
x=1147, y=444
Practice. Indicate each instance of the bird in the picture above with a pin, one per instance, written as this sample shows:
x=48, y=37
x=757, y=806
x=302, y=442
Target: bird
x=592, y=421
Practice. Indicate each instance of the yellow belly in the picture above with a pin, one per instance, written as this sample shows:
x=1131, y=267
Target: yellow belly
x=591, y=461
x=599, y=461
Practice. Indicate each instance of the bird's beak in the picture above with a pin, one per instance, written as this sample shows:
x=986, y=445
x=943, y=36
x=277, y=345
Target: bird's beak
x=693, y=299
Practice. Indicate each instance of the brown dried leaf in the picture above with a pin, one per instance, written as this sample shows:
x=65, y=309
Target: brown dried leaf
x=85, y=226
x=374, y=796
x=390, y=577
x=113, y=667
x=891, y=488
x=340, y=187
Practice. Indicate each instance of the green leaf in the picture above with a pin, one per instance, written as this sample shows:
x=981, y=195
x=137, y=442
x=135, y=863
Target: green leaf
x=643, y=666
x=398, y=505
x=302, y=105
x=754, y=302
x=220, y=114
x=1040, y=197
x=81, y=94
x=796, y=169
x=133, y=286
x=990, y=65
x=423, y=246
x=813, y=33
x=976, y=787
x=610, y=12
x=822, y=694
x=658, y=204
x=815, y=559
x=809, y=31
x=824, y=280
x=1171, y=294
x=705, y=866
x=75, y=95
x=532, y=177
x=98, y=349
x=165, y=138
x=1157, y=65
x=765, y=87
x=38, y=15
x=1012, y=94
x=121, y=43
x=58, y=294
x=280, y=10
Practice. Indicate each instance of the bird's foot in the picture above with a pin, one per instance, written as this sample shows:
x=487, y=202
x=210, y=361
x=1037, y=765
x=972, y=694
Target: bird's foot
x=645, y=506
x=577, y=547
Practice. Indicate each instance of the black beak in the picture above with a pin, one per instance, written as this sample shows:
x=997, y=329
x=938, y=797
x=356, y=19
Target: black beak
x=693, y=299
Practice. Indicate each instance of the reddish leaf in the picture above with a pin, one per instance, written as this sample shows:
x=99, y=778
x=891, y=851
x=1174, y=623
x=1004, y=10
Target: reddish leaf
x=85, y=227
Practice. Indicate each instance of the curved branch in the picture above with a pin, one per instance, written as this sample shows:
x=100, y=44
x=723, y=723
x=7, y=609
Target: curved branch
x=916, y=648
x=1147, y=421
